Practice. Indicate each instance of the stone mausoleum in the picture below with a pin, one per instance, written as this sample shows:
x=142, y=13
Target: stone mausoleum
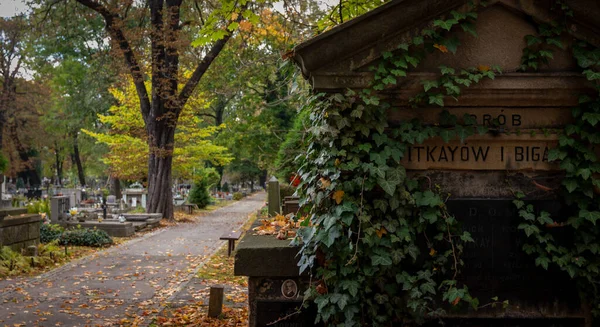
x=482, y=173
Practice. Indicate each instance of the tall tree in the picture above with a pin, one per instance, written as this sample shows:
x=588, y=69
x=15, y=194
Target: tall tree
x=12, y=45
x=130, y=31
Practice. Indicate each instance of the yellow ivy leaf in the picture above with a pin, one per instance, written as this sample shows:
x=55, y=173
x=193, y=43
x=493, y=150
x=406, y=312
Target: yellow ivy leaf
x=483, y=68
x=337, y=162
x=325, y=182
x=338, y=196
x=441, y=47
x=382, y=231
x=432, y=252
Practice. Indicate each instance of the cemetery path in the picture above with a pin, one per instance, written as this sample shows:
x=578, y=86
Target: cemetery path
x=126, y=283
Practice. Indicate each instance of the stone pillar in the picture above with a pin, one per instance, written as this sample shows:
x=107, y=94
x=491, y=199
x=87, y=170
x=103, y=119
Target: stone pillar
x=274, y=197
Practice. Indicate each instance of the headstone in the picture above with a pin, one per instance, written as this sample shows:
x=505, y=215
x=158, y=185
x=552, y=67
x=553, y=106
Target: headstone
x=274, y=197
x=111, y=199
x=59, y=207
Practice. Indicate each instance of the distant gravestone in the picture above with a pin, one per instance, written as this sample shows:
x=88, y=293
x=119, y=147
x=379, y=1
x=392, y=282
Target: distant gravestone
x=59, y=207
x=274, y=197
x=111, y=199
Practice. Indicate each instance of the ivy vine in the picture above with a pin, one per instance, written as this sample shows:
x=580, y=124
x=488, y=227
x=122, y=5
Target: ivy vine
x=382, y=248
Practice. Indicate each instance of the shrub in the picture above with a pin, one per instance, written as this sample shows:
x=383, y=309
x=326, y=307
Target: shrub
x=138, y=210
x=39, y=206
x=85, y=237
x=238, y=196
x=50, y=232
x=225, y=187
x=199, y=195
x=12, y=262
x=49, y=254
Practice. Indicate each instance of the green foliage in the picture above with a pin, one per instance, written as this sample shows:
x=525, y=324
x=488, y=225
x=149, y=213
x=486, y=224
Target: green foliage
x=238, y=196
x=367, y=218
x=50, y=232
x=85, y=237
x=39, y=206
x=294, y=146
x=138, y=209
x=225, y=187
x=12, y=262
x=3, y=163
x=199, y=195
x=286, y=190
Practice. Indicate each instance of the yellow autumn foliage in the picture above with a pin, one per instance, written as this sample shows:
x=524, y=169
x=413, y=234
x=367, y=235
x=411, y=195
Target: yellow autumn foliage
x=127, y=138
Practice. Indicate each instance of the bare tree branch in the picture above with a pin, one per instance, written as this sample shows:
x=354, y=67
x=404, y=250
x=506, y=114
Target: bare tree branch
x=115, y=32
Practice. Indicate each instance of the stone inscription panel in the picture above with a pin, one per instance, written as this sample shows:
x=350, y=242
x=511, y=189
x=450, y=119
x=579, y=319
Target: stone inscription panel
x=495, y=264
x=509, y=118
x=504, y=152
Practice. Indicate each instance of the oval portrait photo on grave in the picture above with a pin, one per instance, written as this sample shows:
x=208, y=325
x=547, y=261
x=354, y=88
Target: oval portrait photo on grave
x=289, y=289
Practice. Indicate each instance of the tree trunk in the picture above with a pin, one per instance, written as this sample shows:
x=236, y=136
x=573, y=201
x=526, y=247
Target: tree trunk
x=29, y=174
x=262, y=179
x=161, y=138
x=59, y=173
x=77, y=160
x=116, y=186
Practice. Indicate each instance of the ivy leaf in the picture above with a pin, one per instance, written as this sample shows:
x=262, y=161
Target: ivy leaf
x=428, y=85
x=546, y=54
x=351, y=286
x=445, y=24
x=447, y=134
x=437, y=99
x=343, y=301
x=400, y=63
x=591, y=75
x=447, y=70
x=570, y=184
x=377, y=171
x=428, y=288
x=378, y=260
x=584, y=173
x=466, y=237
x=592, y=216
x=338, y=196
x=403, y=46
x=452, y=44
x=398, y=73
x=431, y=215
x=529, y=229
x=412, y=60
x=591, y=117
x=532, y=40
x=389, y=80
x=388, y=186
x=418, y=40
x=469, y=27
x=543, y=262
x=544, y=218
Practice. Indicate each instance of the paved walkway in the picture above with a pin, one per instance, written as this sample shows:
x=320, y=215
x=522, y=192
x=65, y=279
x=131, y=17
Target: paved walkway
x=135, y=279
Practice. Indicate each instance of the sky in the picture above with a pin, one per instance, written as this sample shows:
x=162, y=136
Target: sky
x=9, y=8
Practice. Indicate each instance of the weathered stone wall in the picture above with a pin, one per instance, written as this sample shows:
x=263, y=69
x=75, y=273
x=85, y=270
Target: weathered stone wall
x=20, y=231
